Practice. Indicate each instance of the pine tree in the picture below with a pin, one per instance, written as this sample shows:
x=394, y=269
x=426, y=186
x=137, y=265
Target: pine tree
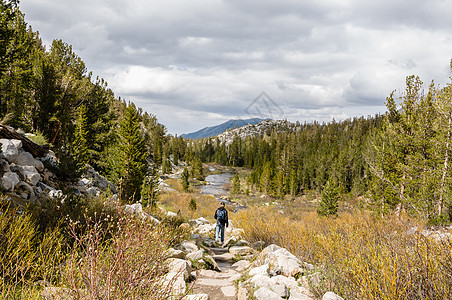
x=80, y=144
x=184, y=177
x=149, y=190
x=235, y=182
x=134, y=153
x=329, y=202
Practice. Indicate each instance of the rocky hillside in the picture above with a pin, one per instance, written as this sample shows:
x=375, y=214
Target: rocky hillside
x=27, y=177
x=215, y=130
x=264, y=127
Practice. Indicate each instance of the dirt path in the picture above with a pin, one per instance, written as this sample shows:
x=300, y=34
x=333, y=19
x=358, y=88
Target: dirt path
x=218, y=285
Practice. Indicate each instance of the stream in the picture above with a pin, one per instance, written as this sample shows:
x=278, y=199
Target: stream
x=214, y=187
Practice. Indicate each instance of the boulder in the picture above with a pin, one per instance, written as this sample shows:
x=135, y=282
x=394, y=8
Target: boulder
x=331, y=296
x=4, y=166
x=180, y=266
x=26, y=159
x=241, y=265
x=195, y=255
x=262, y=270
x=211, y=263
x=280, y=261
x=176, y=280
x=135, y=208
x=171, y=214
x=173, y=253
x=10, y=149
x=187, y=246
x=240, y=250
x=30, y=174
x=99, y=181
x=9, y=181
x=265, y=293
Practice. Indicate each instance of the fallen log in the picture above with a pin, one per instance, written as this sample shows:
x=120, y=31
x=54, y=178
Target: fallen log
x=29, y=146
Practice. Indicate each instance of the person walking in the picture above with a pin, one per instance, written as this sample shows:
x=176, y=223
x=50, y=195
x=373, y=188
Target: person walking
x=221, y=215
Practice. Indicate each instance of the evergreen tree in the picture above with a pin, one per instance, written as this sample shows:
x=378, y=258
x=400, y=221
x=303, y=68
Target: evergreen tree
x=184, y=177
x=329, y=202
x=80, y=144
x=235, y=183
x=134, y=153
x=149, y=190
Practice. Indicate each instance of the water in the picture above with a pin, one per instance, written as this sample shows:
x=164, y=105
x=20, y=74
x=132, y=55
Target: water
x=215, y=188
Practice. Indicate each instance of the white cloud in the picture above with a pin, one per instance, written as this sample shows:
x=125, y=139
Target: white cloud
x=191, y=62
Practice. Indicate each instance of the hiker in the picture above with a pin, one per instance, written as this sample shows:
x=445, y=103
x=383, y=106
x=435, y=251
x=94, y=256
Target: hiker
x=221, y=215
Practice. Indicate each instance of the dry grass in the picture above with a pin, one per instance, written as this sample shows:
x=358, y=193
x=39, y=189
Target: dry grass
x=359, y=256
x=179, y=202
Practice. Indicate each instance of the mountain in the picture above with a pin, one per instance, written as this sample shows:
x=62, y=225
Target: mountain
x=216, y=130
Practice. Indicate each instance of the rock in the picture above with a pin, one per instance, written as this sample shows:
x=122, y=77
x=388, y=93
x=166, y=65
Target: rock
x=260, y=280
x=290, y=282
x=300, y=293
x=26, y=159
x=241, y=265
x=266, y=293
x=280, y=261
x=184, y=226
x=259, y=245
x=240, y=250
x=331, y=296
x=241, y=243
x=187, y=246
x=173, y=253
x=171, y=214
x=9, y=181
x=198, y=222
x=4, y=166
x=56, y=194
x=180, y=266
x=211, y=263
x=99, y=181
x=29, y=192
x=197, y=238
x=228, y=291
x=195, y=255
x=177, y=281
x=10, y=149
x=262, y=270
x=209, y=242
x=242, y=293
x=135, y=208
x=30, y=174
x=196, y=297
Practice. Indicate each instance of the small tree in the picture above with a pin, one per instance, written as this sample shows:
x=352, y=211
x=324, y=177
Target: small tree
x=329, y=202
x=235, y=185
x=184, y=177
x=192, y=205
x=149, y=190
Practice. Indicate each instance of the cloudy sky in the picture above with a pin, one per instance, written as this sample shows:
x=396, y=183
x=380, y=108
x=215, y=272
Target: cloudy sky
x=198, y=63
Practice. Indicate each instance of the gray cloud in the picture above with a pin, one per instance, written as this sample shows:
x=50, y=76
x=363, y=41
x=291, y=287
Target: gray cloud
x=197, y=63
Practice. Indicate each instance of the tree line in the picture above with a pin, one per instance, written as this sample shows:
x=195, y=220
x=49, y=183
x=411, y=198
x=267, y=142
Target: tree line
x=398, y=161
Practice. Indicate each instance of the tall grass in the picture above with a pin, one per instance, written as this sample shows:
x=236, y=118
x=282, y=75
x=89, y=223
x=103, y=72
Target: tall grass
x=359, y=256
x=26, y=255
x=130, y=265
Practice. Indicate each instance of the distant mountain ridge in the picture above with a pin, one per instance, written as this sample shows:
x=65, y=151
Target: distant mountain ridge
x=218, y=129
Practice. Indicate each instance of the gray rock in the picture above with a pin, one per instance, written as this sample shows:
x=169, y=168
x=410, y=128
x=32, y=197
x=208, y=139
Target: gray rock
x=26, y=159
x=211, y=263
x=4, y=166
x=10, y=149
x=195, y=255
x=187, y=246
x=29, y=191
x=30, y=174
x=173, y=253
x=265, y=293
x=259, y=245
x=262, y=270
x=135, y=208
x=280, y=261
x=240, y=250
x=180, y=266
x=9, y=181
x=177, y=281
x=241, y=265
x=331, y=296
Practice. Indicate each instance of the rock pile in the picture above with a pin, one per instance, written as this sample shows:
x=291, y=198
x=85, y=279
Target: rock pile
x=26, y=177
x=274, y=272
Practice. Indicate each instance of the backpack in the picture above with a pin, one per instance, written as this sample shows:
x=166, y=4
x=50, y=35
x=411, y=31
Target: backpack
x=221, y=215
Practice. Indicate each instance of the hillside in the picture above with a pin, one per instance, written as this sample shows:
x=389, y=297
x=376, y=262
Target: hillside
x=216, y=130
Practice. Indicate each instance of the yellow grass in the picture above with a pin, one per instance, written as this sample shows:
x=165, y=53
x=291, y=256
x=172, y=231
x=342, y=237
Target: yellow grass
x=358, y=255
